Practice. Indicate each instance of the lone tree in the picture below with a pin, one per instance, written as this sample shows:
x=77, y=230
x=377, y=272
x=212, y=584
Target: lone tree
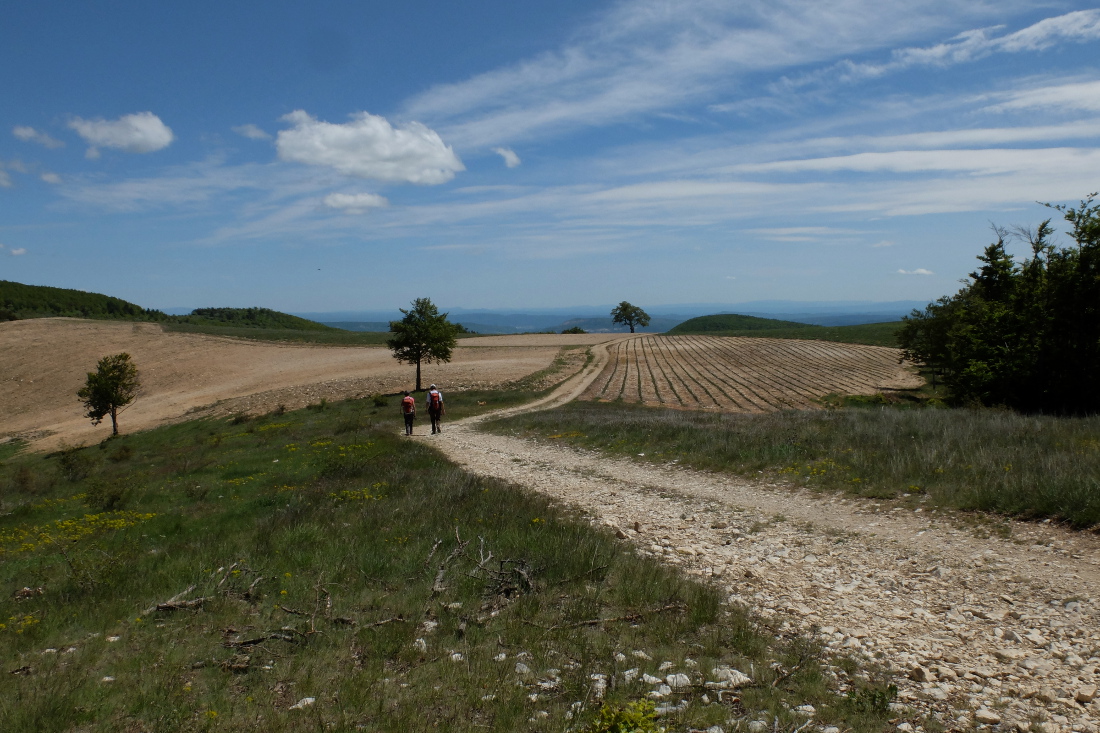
x=629, y=315
x=108, y=389
x=423, y=335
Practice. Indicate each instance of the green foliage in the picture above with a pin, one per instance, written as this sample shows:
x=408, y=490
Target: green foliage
x=731, y=322
x=629, y=315
x=108, y=389
x=34, y=301
x=1025, y=335
x=575, y=329
x=424, y=335
x=251, y=318
x=636, y=717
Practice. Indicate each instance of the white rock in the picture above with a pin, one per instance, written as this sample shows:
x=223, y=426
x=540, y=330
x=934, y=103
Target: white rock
x=620, y=657
x=662, y=691
x=665, y=666
x=830, y=729
x=651, y=680
x=457, y=657
x=641, y=655
x=522, y=668
x=734, y=677
x=304, y=703
x=630, y=675
x=111, y=639
x=808, y=710
x=905, y=728
x=678, y=681
x=757, y=726
x=108, y=678
x=421, y=645
x=987, y=716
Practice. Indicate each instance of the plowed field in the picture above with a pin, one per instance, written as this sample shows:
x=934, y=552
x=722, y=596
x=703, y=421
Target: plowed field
x=744, y=374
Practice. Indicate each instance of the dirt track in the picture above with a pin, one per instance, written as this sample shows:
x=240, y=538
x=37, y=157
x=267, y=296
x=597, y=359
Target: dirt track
x=983, y=631
x=43, y=363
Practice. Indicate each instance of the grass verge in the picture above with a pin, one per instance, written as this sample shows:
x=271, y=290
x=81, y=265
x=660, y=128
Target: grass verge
x=314, y=570
x=989, y=460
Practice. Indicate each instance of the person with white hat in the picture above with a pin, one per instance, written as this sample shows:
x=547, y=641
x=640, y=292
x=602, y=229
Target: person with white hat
x=436, y=410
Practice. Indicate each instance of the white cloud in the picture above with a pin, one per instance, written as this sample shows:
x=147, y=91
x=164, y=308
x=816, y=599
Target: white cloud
x=31, y=135
x=50, y=178
x=883, y=243
x=510, y=158
x=5, y=179
x=1084, y=96
x=650, y=56
x=918, y=271
x=252, y=132
x=1077, y=27
x=17, y=251
x=975, y=162
x=369, y=147
x=355, y=203
x=137, y=133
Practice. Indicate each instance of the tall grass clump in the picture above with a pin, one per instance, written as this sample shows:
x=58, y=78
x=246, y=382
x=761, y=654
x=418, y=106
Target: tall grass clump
x=315, y=570
x=1027, y=466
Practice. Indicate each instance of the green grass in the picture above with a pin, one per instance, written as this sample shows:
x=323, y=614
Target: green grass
x=871, y=334
x=321, y=533
x=988, y=460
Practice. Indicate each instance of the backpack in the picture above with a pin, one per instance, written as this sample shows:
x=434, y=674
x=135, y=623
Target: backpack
x=409, y=404
x=436, y=399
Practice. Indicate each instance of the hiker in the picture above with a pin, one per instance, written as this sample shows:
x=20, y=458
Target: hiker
x=435, y=408
x=408, y=409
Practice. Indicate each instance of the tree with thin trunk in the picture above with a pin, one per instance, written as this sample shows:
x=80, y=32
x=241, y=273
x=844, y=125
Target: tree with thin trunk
x=423, y=335
x=110, y=388
x=629, y=315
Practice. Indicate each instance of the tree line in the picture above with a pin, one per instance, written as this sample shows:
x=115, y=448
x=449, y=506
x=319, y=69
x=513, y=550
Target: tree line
x=1024, y=335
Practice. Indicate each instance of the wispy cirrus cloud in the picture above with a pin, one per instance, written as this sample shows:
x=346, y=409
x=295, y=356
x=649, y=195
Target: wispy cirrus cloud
x=252, y=132
x=355, y=203
x=649, y=56
x=31, y=135
x=918, y=271
x=1081, y=26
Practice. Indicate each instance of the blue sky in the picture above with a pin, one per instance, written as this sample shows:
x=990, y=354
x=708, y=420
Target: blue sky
x=356, y=155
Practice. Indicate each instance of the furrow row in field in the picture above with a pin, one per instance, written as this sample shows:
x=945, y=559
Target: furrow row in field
x=742, y=374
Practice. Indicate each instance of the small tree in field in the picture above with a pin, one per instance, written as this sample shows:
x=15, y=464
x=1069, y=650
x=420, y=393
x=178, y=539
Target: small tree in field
x=108, y=389
x=629, y=315
x=423, y=335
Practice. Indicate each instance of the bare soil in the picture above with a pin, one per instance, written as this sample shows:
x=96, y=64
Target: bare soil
x=736, y=374
x=43, y=363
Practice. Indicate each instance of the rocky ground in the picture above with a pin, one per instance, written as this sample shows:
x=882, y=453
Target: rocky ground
x=986, y=624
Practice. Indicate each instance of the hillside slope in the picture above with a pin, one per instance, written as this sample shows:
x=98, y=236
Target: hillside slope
x=730, y=322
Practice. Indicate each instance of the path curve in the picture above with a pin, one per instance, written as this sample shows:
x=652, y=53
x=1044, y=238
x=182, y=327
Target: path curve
x=977, y=627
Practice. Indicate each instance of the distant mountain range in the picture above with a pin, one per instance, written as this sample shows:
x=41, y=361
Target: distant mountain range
x=595, y=318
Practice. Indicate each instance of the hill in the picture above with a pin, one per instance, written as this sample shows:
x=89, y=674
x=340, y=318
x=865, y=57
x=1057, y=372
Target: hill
x=870, y=334
x=731, y=322
x=18, y=301
x=250, y=318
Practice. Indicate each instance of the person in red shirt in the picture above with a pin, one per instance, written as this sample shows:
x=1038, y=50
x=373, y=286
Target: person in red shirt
x=408, y=409
x=436, y=410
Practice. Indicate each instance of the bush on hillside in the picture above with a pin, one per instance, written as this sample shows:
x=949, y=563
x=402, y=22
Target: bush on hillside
x=1025, y=335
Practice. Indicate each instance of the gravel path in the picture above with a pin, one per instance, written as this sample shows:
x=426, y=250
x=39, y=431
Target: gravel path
x=982, y=629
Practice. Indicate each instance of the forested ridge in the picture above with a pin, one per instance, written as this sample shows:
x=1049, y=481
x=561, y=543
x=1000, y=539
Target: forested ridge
x=19, y=301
